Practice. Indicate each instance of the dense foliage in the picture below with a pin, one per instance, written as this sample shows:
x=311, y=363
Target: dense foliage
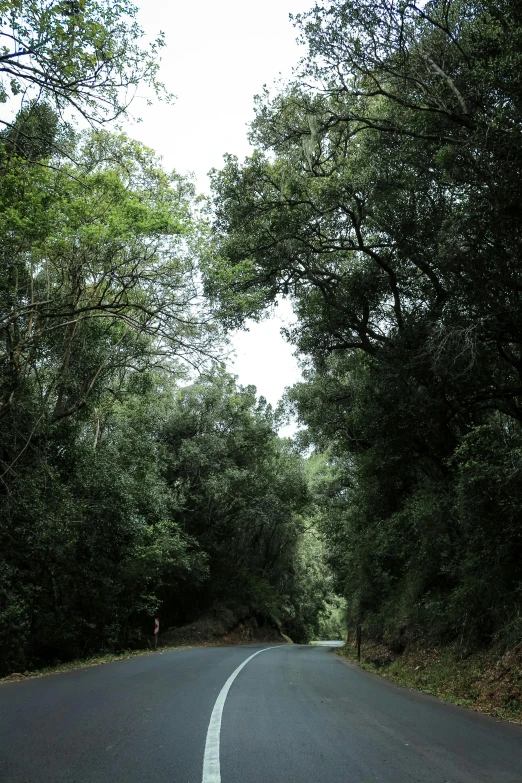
x=384, y=197
x=125, y=491
x=88, y=57
x=136, y=477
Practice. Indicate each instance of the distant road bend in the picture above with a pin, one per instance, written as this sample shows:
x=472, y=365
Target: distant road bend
x=248, y=714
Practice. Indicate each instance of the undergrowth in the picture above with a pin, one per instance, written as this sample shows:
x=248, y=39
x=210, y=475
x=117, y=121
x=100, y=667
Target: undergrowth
x=485, y=681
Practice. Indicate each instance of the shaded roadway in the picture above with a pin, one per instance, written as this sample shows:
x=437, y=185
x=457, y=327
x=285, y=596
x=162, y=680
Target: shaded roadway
x=295, y=714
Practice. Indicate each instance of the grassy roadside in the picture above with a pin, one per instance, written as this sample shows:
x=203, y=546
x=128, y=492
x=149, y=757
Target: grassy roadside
x=100, y=659
x=84, y=663
x=485, y=681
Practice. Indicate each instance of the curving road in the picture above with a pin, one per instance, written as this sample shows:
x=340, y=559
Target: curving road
x=290, y=714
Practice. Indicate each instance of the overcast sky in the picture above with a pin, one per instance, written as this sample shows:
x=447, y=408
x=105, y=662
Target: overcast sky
x=218, y=56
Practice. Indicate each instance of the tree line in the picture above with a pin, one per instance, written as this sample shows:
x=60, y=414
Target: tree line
x=383, y=197
x=136, y=476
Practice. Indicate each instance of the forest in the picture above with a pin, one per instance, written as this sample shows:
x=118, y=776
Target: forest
x=383, y=199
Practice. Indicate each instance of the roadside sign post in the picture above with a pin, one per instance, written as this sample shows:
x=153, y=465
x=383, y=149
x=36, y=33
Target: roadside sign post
x=156, y=631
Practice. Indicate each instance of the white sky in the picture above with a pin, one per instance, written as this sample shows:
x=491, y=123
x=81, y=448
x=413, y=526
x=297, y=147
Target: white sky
x=218, y=56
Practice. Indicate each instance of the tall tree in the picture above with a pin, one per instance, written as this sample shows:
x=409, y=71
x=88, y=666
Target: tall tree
x=383, y=198
x=84, y=56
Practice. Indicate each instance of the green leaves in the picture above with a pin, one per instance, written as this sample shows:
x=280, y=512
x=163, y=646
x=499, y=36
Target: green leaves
x=98, y=294
x=86, y=57
x=99, y=268
x=381, y=198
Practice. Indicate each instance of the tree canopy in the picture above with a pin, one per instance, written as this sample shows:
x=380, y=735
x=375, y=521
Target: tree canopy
x=88, y=57
x=129, y=483
x=383, y=198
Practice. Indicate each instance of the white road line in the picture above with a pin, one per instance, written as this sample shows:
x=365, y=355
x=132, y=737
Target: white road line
x=211, y=765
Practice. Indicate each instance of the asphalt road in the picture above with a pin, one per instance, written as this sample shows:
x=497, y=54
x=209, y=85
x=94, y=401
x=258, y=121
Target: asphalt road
x=293, y=714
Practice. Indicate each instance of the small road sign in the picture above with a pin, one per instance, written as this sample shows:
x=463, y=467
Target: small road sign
x=156, y=626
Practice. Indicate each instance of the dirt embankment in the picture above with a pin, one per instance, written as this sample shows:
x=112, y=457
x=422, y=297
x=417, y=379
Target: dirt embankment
x=224, y=626
x=488, y=681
